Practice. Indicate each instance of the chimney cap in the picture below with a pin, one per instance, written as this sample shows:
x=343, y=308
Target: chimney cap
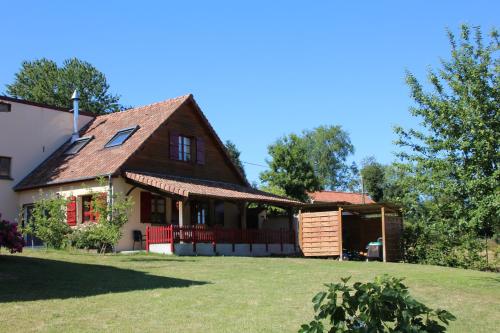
x=76, y=95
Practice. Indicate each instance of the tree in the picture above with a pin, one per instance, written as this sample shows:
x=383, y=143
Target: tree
x=453, y=159
x=43, y=81
x=328, y=148
x=234, y=153
x=373, y=174
x=290, y=170
x=48, y=221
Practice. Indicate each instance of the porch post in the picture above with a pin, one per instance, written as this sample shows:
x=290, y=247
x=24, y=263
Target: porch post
x=290, y=218
x=243, y=215
x=384, y=254
x=181, y=213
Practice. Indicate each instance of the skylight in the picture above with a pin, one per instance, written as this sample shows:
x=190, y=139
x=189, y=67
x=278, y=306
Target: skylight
x=120, y=137
x=78, y=145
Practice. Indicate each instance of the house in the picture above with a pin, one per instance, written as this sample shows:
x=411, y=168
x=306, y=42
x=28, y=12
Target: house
x=29, y=134
x=189, y=197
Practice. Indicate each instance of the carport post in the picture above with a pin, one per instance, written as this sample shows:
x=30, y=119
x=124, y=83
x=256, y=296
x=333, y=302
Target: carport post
x=384, y=254
x=340, y=233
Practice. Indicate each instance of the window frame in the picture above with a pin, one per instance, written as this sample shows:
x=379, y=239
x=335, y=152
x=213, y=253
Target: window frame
x=90, y=212
x=154, y=210
x=183, y=155
x=131, y=131
x=9, y=107
x=85, y=140
x=8, y=176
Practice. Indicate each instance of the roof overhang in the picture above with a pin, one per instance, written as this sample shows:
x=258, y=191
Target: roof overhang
x=370, y=208
x=191, y=188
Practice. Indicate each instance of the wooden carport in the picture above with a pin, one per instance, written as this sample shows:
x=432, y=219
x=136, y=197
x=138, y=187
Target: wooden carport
x=323, y=227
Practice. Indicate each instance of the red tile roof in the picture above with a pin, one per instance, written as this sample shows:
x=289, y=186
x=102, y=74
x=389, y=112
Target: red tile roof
x=188, y=187
x=339, y=197
x=94, y=160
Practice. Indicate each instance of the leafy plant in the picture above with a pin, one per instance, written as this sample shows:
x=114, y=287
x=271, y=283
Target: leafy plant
x=384, y=305
x=105, y=232
x=49, y=217
x=10, y=237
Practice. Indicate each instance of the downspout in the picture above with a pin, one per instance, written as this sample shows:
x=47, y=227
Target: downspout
x=110, y=200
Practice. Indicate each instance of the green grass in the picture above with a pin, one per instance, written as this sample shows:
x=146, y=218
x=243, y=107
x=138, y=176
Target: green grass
x=59, y=291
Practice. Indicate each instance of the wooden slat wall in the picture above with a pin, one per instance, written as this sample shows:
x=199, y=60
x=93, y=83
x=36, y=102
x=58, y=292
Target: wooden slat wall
x=319, y=234
x=393, y=231
x=155, y=156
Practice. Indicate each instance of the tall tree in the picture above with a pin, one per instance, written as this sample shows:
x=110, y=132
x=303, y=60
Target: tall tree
x=290, y=172
x=235, y=153
x=373, y=175
x=43, y=81
x=328, y=148
x=453, y=159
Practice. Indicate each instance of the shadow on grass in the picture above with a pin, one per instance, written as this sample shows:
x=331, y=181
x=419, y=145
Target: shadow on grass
x=32, y=279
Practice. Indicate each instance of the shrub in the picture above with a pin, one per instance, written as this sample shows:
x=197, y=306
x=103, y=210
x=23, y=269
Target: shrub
x=381, y=306
x=106, y=231
x=48, y=221
x=10, y=237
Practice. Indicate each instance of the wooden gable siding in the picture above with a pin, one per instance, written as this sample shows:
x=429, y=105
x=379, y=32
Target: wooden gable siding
x=154, y=156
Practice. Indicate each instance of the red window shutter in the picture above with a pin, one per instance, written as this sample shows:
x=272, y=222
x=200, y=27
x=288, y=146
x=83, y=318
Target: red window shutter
x=146, y=207
x=174, y=146
x=71, y=211
x=200, y=150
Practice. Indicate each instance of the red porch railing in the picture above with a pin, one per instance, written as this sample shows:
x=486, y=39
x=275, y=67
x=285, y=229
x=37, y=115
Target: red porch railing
x=217, y=235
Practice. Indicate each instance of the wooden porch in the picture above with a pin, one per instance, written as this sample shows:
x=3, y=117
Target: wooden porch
x=215, y=237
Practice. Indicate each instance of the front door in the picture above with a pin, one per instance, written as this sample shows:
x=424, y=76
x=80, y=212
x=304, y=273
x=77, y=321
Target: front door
x=27, y=216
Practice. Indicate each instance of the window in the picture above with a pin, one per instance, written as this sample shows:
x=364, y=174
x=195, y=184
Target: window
x=5, y=107
x=78, y=145
x=120, y=137
x=199, y=212
x=5, y=167
x=184, y=148
x=158, y=210
x=87, y=212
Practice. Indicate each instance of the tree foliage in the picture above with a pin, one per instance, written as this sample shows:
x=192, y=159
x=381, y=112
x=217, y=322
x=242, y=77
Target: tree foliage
x=48, y=221
x=328, y=148
x=384, y=305
x=373, y=175
x=315, y=160
x=43, y=81
x=289, y=168
x=235, y=153
x=451, y=163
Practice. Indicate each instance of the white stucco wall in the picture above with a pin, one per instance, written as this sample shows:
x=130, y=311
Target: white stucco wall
x=241, y=250
x=28, y=135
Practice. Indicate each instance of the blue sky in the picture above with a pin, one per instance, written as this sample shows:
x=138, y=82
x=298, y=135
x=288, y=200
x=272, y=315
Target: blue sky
x=259, y=70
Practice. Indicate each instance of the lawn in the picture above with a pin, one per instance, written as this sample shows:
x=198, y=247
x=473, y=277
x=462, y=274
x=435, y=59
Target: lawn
x=59, y=291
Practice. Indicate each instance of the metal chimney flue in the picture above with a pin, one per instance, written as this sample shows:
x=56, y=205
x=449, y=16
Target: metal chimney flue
x=75, y=98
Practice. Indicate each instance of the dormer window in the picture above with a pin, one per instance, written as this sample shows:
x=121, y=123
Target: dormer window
x=121, y=136
x=78, y=145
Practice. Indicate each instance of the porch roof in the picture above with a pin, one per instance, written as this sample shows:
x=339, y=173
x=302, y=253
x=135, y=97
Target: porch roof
x=191, y=187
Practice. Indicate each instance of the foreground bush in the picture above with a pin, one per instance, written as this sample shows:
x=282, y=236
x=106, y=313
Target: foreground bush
x=10, y=237
x=381, y=306
x=48, y=221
